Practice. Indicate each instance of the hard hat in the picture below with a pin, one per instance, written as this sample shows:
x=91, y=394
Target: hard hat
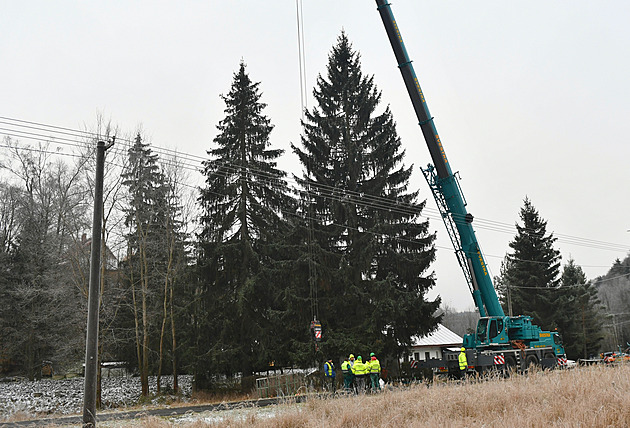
x=463, y=349
x=359, y=358
x=371, y=354
x=351, y=356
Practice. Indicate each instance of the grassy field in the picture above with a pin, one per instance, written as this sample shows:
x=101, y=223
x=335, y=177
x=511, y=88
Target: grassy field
x=594, y=396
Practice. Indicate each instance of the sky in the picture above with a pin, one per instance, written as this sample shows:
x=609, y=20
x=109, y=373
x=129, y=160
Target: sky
x=531, y=99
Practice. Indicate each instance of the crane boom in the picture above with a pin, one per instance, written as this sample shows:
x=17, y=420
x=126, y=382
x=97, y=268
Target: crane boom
x=443, y=183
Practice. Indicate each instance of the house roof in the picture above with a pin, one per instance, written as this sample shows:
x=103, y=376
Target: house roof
x=440, y=337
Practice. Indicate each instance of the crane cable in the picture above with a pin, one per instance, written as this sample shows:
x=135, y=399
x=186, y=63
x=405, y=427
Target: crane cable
x=315, y=325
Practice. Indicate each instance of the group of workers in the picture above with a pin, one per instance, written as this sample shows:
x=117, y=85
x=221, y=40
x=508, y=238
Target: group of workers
x=358, y=375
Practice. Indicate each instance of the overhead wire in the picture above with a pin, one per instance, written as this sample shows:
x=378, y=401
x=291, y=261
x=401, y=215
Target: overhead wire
x=335, y=193
x=185, y=160
x=309, y=218
x=367, y=201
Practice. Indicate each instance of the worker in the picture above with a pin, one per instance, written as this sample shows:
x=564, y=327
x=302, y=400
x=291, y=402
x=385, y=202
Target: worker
x=346, y=369
x=329, y=374
x=351, y=360
x=359, y=372
x=463, y=363
x=375, y=373
x=367, y=374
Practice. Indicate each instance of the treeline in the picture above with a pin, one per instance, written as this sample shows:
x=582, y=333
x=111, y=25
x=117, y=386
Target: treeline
x=226, y=279
x=533, y=282
x=591, y=315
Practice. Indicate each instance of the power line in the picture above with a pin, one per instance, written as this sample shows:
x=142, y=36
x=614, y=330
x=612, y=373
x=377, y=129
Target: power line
x=287, y=213
x=357, y=198
x=329, y=192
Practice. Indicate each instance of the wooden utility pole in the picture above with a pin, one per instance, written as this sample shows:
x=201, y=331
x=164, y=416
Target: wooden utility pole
x=91, y=339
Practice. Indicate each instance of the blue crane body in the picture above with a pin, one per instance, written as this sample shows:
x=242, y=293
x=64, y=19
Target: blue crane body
x=496, y=332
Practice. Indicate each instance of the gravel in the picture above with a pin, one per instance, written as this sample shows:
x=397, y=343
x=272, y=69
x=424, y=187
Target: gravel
x=65, y=396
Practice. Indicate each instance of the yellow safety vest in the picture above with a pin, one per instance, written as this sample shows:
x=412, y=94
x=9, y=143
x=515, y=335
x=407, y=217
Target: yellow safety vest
x=328, y=369
x=358, y=368
x=375, y=366
x=463, y=363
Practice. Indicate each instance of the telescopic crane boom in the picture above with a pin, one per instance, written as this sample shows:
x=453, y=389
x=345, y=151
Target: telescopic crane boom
x=444, y=183
x=513, y=339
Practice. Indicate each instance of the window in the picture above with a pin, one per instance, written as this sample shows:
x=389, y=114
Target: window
x=427, y=356
x=481, y=330
x=493, y=329
x=416, y=356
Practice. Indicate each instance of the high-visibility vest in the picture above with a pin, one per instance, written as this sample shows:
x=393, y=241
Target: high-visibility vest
x=358, y=368
x=463, y=363
x=346, y=367
x=329, y=370
x=375, y=366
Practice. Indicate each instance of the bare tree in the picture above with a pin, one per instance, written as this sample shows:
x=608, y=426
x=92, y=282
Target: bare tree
x=48, y=208
x=179, y=203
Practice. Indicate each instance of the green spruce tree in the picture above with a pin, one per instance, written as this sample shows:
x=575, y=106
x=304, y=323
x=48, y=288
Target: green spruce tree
x=243, y=204
x=147, y=256
x=578, y=315
x=530, y=274
x=371, y=252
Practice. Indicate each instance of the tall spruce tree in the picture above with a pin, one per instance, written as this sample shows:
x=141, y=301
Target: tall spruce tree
x=146, y=261
x=530, y=274
x=242, y=202
x=578, y=315
x=371, y=253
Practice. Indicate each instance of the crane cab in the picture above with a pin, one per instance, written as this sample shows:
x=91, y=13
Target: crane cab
x=491, y=331
x=505, y=332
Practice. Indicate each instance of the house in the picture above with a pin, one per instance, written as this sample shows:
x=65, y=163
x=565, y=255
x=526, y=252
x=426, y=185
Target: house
x=79, y=254
x=432, y=345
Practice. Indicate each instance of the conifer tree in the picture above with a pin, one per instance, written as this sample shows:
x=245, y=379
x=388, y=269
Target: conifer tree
x=242, y=206
x=578, y=316
x=371, y=251
x=613, y=289
x=146, y=218
x=530, y=274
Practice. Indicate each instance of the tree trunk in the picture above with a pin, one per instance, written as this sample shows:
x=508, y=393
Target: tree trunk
x=174, y=346
x=165, y=302
x=164, y=315
x=144, y=377
x=137, y=324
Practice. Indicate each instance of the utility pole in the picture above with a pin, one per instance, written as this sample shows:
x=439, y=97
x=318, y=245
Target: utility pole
x=509, y=296
x=91, y=339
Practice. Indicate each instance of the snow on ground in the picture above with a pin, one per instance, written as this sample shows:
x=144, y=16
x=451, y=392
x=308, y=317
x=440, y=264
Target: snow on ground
x=65, y=396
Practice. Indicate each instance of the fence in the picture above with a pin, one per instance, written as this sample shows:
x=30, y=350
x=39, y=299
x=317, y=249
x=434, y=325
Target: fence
x=281, y=385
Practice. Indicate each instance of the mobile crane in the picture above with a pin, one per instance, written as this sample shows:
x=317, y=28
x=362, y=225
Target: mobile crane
x=500, y=340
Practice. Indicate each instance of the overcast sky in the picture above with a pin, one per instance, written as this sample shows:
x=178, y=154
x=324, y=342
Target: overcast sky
x=529, y=98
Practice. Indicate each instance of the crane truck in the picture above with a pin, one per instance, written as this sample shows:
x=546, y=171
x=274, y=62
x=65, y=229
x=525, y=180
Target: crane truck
x=500, y=341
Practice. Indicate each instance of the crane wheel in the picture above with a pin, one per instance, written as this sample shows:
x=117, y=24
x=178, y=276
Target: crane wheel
x=510, y=361
x=510, y=365
x=531, y=360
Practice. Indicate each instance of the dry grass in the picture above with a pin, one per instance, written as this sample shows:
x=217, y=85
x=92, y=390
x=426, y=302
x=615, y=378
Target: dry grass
x=584, y=397
x=17, y=417
x=203, y=397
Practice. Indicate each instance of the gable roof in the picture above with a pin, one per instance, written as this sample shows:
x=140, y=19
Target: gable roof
x=440, y=337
